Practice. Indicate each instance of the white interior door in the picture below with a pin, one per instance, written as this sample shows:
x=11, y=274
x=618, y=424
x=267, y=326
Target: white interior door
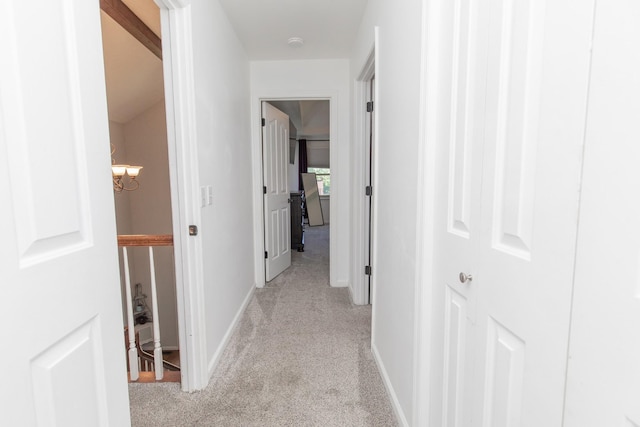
x=506, y=330
x=603, y=381
x=458, y=229
x=277, y=209
x=60, y=309
x=536, y=103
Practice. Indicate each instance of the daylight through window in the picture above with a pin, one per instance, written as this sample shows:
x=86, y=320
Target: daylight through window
x=323, y=176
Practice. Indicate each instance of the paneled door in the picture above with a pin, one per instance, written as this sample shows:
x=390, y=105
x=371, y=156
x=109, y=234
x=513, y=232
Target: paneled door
x=63, y=352
x=458, y=227
x=277, y=208
x=510, y=234
x=603, y=380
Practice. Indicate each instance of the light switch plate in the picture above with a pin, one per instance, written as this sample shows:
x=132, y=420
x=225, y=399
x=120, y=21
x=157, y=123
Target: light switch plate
x=210, y=194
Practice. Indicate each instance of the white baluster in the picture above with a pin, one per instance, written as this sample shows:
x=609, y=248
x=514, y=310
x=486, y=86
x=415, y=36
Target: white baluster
x=133, y=351
x=157, y=348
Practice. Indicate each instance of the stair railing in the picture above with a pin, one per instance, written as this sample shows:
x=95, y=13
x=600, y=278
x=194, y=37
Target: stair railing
x=146, y=240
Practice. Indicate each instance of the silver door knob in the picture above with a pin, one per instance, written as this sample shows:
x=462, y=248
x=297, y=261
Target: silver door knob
x=464, y=278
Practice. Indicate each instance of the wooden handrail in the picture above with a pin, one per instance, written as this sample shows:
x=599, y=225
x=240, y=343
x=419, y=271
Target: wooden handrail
x=145, y=240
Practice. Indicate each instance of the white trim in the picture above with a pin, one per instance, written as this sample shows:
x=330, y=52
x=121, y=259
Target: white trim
x=215, y=360
x=395, y=403
x=374, y=184
x=341, y=284
x=359, y=289
x=336, y=183
x=426, y=195
x=183, y=173
x=172, y=4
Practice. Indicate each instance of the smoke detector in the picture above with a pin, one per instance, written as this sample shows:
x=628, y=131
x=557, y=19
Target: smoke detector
x=295, y=42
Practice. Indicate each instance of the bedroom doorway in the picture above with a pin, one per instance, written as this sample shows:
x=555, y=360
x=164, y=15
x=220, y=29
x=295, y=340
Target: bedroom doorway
x=307, y=150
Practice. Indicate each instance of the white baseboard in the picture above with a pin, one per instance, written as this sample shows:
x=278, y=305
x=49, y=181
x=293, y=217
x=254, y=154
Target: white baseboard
x=395, y=404
x=341, y=284
x=213, y=363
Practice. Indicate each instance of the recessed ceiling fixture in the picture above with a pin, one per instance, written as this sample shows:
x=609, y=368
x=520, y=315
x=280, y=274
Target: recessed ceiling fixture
x=296, y=42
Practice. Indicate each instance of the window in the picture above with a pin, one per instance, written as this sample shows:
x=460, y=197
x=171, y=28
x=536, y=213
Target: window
x=323, y=176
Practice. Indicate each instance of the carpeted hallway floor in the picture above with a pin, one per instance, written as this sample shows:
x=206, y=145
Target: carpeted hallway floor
x=300, y=356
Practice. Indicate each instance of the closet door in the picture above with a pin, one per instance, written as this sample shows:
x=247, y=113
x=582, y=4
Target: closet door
x=534, y=130
x=507, y=230
x=458, y=225
x=603, y=382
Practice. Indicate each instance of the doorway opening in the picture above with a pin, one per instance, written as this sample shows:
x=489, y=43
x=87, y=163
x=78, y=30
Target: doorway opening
x=301, y=168
x=364, y=184
x=144, y=214
x=368, y=167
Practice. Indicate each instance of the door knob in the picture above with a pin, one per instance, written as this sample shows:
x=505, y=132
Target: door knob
x=464, y=278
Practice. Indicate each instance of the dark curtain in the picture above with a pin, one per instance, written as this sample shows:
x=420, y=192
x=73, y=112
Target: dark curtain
x=302, y=161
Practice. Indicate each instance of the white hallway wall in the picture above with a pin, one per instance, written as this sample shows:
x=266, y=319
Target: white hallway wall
x=221, y=80
x=395, y=190
x=319, y=79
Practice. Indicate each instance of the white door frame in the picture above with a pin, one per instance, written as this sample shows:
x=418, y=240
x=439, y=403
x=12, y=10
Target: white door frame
x=183, y=172
x=359, y=217
x=336, y=183
x=426, y=350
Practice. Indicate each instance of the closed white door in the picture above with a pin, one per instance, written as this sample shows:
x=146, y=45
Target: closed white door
x=277, y=208
x=506, y=329
x=536, y=103
x=63, y=349
x=458, y=227
x=603, y=382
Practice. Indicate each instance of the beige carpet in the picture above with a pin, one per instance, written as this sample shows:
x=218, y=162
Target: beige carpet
x=300, y=356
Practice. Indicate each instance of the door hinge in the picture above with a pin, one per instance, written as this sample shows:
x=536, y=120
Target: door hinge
x=193, y=230
x=367, y=270
x=266, y=255
x=369, y=106
x=264, y=122
x=264, y=189
x=368, y=191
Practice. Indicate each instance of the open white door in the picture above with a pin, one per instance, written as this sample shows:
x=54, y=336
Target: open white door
x=506, y=244
x=60, y=312
x=603, y=380
x=277, y=214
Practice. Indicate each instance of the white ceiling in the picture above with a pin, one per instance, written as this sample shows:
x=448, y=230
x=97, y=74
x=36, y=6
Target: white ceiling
x=328, y=27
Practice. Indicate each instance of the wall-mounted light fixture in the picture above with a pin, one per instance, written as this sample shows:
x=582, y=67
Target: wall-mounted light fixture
x=120, y=171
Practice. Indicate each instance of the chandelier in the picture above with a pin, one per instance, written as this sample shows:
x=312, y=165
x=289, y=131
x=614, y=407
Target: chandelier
x=121, y=172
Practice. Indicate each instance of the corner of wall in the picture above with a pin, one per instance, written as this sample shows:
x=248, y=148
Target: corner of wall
x=341, y=284
x=395, y=403
x=215, y=359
